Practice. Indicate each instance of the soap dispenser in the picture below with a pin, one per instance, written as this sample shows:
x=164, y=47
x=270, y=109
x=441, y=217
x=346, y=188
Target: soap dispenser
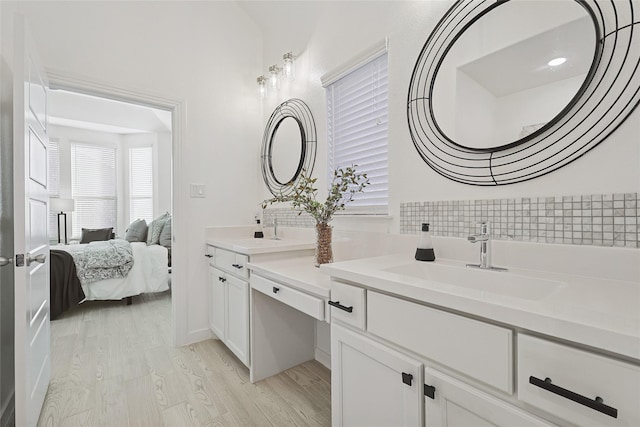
x=425, y=245
x=258, y=233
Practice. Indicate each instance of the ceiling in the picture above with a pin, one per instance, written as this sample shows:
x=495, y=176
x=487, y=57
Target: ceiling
x=105, y=115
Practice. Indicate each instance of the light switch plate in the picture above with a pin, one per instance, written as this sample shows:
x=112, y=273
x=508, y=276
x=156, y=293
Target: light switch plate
x=197, y=190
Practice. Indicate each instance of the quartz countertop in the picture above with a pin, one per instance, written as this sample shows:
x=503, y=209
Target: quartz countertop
x=596, y=312
x=251, y=246
x=299, y=272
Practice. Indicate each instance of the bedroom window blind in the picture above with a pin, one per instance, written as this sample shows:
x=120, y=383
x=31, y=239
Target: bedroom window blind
x=54, y=183
x=357, y=131
x=141, y=183
x=93, y=186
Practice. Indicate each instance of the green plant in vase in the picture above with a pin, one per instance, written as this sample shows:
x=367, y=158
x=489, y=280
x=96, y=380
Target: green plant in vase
x=345, y=184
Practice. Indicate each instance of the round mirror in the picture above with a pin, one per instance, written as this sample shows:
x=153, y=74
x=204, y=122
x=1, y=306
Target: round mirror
x=512, y=72
x=288, y=146
x=446, y=130
x=287, y=150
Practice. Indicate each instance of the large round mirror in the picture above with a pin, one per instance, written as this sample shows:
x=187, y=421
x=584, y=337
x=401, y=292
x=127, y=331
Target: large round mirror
x=464, y=130
x=286, y=153
x=512, y=72
x=288, y=146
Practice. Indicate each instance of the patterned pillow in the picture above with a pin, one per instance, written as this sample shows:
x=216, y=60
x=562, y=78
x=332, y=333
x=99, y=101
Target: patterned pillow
x=155, y=228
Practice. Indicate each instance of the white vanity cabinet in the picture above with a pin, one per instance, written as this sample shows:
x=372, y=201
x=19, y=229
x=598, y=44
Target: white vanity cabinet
x=229, y=300
x=372, y=385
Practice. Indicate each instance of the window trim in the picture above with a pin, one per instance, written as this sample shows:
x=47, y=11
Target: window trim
x=367, y=55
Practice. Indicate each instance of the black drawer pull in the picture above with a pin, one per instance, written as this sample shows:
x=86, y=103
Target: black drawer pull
x=578, y=398
x=430, y=391
x=208, y=255
x=236, y=266
x=222, y=279
x=337, y=304
x=276, y=290
x=407, y=378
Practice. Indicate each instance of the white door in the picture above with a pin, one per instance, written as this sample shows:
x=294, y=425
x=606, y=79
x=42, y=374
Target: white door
x=237, y=332
x=452, y=403
x=31, y=241
x=217, y=302
x=371, y=384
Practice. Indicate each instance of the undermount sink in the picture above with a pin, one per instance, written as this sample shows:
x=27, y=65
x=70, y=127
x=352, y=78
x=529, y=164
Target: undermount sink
x=495, y=282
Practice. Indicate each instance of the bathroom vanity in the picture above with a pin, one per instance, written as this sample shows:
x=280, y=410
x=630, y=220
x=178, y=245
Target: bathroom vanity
x=229, y=252
x=437, y=344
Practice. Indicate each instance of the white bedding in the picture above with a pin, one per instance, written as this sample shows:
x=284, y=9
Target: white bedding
x=149, y=274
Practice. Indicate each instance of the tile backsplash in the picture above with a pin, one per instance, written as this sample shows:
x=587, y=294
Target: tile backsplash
x=596, y=219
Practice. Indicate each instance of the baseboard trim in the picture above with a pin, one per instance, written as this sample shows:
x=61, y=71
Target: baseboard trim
x=323, y=357
x=199, y=335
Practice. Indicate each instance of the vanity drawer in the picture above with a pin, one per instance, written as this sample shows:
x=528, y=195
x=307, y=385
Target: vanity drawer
x=566, y=382
x=232, y=262
x=477, y=349
x=305, y=303
x=348, y=304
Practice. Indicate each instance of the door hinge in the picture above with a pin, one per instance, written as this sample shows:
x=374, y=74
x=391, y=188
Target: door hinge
x=430, y=391
x=19, y=260
x=407, y=378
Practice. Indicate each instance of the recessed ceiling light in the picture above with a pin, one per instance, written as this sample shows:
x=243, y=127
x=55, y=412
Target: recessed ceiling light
x=556, y=61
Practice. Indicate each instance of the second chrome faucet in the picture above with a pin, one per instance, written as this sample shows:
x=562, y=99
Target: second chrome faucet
x=484, y=238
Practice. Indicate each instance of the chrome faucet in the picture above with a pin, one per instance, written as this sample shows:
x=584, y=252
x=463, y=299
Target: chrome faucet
x=275, y=229
x=484, y=238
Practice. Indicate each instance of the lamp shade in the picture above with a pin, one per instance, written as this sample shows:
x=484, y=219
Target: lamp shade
x=61, y=205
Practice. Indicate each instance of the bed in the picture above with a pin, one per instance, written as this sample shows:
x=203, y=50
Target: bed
x=106, y=270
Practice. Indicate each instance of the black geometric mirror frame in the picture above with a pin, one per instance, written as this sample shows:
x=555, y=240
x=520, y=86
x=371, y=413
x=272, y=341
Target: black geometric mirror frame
x=609, y=95
x=300, y=112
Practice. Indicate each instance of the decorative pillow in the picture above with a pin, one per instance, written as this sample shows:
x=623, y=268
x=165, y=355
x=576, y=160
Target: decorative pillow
x=155, y=228
x=165, y=234
x=96, y=234
x=137, y=231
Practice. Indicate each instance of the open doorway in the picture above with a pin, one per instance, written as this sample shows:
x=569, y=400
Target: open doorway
x=110, y=169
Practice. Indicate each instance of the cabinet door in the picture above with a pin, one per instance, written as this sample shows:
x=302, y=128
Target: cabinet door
x=217, y=302
x=371, y=384
x=237, y=330
x=456, y=404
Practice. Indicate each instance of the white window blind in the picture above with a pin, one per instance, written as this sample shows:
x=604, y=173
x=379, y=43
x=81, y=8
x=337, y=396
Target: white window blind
x=93, y=185
x=53, y=154
x=357, y=119
x=141, y=183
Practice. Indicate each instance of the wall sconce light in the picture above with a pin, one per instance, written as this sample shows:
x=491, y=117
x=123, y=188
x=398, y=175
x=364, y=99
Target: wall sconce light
x=274, y=80
x=288, y=70
x=262, y=86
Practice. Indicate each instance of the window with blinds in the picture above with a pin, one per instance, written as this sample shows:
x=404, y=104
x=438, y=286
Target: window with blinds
x=93, y=186
x=357, y=130
x=141, y=183
x=54, y=183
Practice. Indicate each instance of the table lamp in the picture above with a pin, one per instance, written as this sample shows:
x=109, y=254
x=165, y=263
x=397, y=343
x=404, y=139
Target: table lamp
x=62, y=206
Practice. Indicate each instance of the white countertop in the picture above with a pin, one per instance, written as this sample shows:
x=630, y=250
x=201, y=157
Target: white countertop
x=300, y=273
x=596, y=312
x=251, y=246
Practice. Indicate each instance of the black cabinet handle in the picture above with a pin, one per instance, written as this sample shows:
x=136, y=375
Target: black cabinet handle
x=208, y=255
x=430, y=391
x=407, y=378
x=337, y=304
x=578, y=398
x=276, y=290
x=236, y=266
x=222, y=279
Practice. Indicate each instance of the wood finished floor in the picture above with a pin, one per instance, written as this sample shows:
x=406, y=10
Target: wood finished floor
x=113, y=365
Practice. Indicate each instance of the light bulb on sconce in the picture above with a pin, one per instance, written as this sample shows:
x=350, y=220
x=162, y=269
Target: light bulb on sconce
x=288, y=70
x=274, y=79
x=262, y=86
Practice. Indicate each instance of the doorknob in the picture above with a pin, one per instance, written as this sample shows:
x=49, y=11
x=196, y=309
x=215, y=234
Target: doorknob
x=5, y=261
x=40, y=258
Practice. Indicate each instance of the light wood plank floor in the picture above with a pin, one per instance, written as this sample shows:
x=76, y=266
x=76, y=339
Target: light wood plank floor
x=113, y=365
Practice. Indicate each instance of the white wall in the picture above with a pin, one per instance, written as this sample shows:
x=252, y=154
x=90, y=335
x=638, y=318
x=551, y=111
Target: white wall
x=205, y=54
x=345, y=28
